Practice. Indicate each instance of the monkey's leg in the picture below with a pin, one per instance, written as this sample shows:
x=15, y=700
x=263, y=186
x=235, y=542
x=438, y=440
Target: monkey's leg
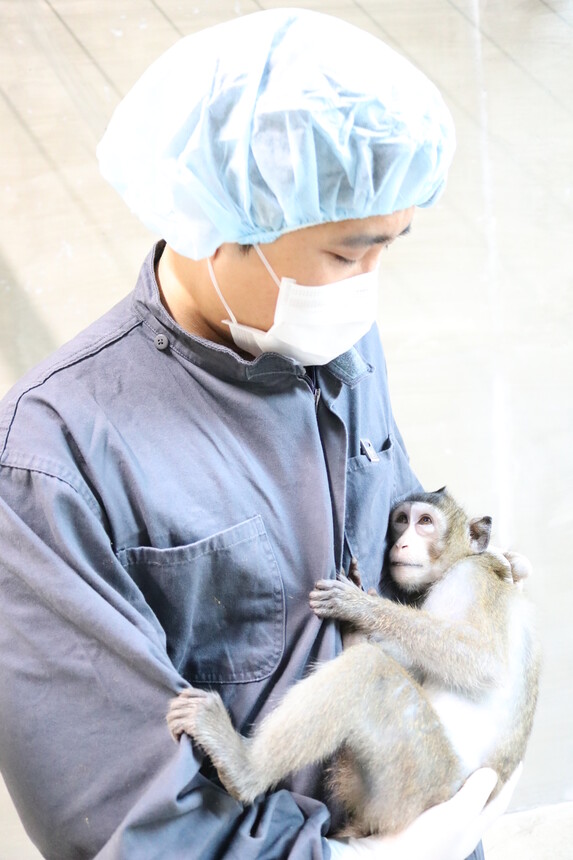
x=202, y=715
x=316, y=717
x=397, y=760
x=307, y=726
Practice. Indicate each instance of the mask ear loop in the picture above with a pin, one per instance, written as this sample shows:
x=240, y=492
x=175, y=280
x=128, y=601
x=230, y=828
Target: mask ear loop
x=219, y=293
x=267, y=265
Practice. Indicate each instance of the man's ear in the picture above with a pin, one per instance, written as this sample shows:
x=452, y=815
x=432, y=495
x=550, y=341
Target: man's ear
x=480, y=531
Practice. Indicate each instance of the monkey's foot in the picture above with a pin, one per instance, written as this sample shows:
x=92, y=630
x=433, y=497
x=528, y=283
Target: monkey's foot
x=202, y=715
x=339, y=598
x=193, y=712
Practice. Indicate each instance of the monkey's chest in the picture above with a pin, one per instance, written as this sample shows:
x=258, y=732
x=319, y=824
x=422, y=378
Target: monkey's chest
x=472, y=727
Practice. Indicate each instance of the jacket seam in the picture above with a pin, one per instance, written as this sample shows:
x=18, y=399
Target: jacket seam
x=72, y=360
x=31, y=470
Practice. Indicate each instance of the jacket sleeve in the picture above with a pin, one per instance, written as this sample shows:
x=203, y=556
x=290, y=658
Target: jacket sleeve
x=85, y=683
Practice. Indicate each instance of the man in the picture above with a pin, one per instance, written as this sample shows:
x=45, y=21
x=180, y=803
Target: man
x=175, y=480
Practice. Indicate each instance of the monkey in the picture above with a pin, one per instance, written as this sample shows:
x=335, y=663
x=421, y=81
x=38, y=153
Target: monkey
x=443, y=681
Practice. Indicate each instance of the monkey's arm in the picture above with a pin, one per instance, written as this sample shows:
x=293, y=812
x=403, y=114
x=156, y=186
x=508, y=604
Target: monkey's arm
x=462, y=651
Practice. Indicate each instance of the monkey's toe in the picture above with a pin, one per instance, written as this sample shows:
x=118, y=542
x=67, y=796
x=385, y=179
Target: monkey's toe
x=176, y=728
x=183, y=711
x=193, y=693
x=354, y=573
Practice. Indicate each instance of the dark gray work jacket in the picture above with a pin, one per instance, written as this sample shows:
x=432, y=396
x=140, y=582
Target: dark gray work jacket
x=165, y=508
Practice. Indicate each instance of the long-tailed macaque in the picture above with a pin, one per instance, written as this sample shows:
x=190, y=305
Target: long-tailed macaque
x=441, y=684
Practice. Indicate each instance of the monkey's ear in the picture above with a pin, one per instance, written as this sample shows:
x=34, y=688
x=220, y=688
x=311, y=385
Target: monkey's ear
x=480, y=531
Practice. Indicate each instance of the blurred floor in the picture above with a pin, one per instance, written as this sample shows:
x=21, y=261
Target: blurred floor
x=477, y=306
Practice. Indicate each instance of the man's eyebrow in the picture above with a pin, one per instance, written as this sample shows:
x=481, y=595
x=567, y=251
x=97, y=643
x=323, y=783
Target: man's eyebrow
x=366, y=240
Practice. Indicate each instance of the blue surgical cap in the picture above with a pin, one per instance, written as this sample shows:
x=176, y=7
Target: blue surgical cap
x=271, y=122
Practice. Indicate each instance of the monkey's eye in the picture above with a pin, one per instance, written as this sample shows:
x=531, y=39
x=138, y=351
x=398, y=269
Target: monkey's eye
x=425, y=520
x=401, y=518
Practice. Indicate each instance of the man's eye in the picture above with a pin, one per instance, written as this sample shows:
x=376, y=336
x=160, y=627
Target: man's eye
x=344, y=260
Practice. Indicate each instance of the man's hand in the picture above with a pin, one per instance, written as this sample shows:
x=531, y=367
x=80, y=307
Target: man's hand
x=449, y=831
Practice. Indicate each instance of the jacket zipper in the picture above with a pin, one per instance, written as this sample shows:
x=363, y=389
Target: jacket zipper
x=310, y=379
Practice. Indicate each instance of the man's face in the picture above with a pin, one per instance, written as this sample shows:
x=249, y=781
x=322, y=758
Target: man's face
x=313, y=256
x=331, y=252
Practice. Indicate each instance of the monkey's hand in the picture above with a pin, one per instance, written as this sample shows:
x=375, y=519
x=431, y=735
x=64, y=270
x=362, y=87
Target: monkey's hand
x=521, y=567
x=514, y=567
x=354, y=573
x=341, y=599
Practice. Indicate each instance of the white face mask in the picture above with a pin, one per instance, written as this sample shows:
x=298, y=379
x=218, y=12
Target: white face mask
x=312, y=325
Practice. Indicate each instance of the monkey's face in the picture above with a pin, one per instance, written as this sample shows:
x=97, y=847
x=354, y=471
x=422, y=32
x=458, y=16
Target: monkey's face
x=418, y=531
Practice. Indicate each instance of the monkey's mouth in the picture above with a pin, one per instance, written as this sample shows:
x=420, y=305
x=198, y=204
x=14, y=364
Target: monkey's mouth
x=404, y=564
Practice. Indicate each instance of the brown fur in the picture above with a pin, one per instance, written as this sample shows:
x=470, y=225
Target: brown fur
x=375, y=713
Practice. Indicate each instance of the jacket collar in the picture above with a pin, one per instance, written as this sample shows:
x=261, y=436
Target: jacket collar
x=220, y=360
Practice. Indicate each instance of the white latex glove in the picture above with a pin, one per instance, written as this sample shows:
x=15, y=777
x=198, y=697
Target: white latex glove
x=449, y=831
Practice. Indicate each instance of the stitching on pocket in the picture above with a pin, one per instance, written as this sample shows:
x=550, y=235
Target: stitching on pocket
x=223, y=612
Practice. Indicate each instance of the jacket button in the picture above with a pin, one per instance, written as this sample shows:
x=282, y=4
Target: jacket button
x=161, y=341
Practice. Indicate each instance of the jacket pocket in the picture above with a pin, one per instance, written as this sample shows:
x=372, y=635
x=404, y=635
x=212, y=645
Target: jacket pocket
x=220, y=602
x=372, y=488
